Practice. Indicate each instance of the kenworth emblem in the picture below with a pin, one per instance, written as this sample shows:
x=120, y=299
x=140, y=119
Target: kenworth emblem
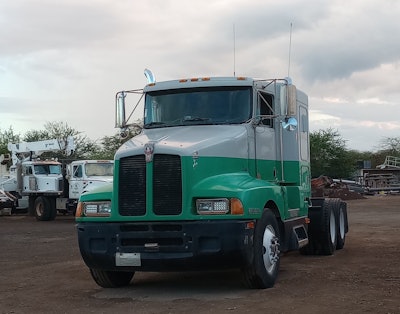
x=148, y=151
x=195, y=157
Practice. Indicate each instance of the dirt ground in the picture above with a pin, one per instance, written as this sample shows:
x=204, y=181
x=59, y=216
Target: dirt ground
x=41, y=271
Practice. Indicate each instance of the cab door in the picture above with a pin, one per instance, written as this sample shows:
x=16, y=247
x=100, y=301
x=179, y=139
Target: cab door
x=76, y=181
x=265, y=138
x=29, y=181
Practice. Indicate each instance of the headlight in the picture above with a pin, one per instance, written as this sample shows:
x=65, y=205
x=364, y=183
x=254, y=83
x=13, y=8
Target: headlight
x=212, y=206
x=96, y=209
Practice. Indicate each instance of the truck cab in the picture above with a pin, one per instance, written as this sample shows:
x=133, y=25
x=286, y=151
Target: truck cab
x=85, y=175
x=219, y=177
x=41, y=176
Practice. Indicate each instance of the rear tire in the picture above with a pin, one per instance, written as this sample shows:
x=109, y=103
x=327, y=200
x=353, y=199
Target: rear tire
x=322, y=231
x=328, y=236
x=263, y=270
x=31, y=206
x=341, y=225
x=53, y=209
x=111, y=279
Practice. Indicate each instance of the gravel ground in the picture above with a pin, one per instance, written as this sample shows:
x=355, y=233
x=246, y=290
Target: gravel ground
x=41, y=271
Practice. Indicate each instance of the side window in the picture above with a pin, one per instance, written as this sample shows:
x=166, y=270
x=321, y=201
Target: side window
x=27, y=170
x=265, y=103
x=77, y=172
x=303, y=129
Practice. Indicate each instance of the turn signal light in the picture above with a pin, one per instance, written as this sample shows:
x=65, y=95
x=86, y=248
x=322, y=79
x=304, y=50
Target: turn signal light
x=236, y=207
x=79, y=212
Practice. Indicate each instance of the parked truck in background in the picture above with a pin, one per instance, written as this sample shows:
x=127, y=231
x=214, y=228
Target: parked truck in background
x=219, y=177
x=51, y=186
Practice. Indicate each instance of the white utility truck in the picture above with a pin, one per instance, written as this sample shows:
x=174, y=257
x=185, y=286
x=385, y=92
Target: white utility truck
x=50, y=186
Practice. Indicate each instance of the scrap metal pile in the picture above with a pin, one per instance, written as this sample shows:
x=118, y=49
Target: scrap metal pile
x=324, y=186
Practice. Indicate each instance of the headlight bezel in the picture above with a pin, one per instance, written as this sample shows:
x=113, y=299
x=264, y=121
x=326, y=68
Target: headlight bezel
x=96, y=209
x=217, y=206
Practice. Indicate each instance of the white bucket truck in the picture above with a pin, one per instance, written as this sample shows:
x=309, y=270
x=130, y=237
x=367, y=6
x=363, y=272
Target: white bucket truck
x=50, y=186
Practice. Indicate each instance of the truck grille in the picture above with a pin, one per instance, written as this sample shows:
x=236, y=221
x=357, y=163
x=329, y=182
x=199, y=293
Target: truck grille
x=166, y=185
x=132, y=186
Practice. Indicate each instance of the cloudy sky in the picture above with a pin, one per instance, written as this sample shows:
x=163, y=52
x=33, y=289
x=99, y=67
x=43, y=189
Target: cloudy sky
x=64, y=60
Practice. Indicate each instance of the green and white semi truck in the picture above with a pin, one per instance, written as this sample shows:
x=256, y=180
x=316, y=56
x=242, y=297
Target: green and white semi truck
x=219, y=177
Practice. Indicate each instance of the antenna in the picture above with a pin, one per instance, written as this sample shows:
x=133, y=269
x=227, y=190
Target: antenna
x=234, y=50
x=290, y=48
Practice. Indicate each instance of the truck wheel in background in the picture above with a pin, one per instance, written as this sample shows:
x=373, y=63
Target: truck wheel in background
x=328, y=236
x=323, y=229
x=31, y=206
x=264, y=267
x=42, y=209
x=341, y=220
x=53, y=209
x=111, y=279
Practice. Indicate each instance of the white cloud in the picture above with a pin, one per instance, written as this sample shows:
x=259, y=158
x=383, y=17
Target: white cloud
x=64, y=60
x=372, y=101
x=387, y=126
x=322, y=119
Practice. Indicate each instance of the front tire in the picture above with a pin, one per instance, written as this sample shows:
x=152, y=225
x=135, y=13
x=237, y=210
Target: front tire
x=42, y=209
x=111, y=279
x=263, y=270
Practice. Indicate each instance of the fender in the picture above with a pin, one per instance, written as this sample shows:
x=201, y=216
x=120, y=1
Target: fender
x=254, y=193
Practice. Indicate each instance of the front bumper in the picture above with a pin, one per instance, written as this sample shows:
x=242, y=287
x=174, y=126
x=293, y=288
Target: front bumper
x=164, y=246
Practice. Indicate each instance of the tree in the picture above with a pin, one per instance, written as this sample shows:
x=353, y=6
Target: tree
x=36, y=135
x=390, y=146
x=357, y=158
x=85, y=148
x=61, y=131
x=7, y=136
x=110, y=144
x=329, y=155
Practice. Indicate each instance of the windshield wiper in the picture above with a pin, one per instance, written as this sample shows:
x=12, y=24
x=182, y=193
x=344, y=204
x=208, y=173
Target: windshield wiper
x=153, y=124
x=195, y=119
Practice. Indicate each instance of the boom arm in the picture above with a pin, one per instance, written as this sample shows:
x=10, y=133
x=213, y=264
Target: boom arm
x=39, y=147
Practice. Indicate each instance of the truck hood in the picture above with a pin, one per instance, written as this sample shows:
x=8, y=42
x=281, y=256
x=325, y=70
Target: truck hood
x=100, y=178
x=204, y=140
x=95, y=182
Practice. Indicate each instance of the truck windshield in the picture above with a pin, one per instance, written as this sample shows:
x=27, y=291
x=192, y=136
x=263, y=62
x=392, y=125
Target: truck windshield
x=99, y=169
x=47, y=169
x=216, y=105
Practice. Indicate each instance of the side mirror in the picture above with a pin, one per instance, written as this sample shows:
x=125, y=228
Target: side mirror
x=120, y=110
x=290, y=124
